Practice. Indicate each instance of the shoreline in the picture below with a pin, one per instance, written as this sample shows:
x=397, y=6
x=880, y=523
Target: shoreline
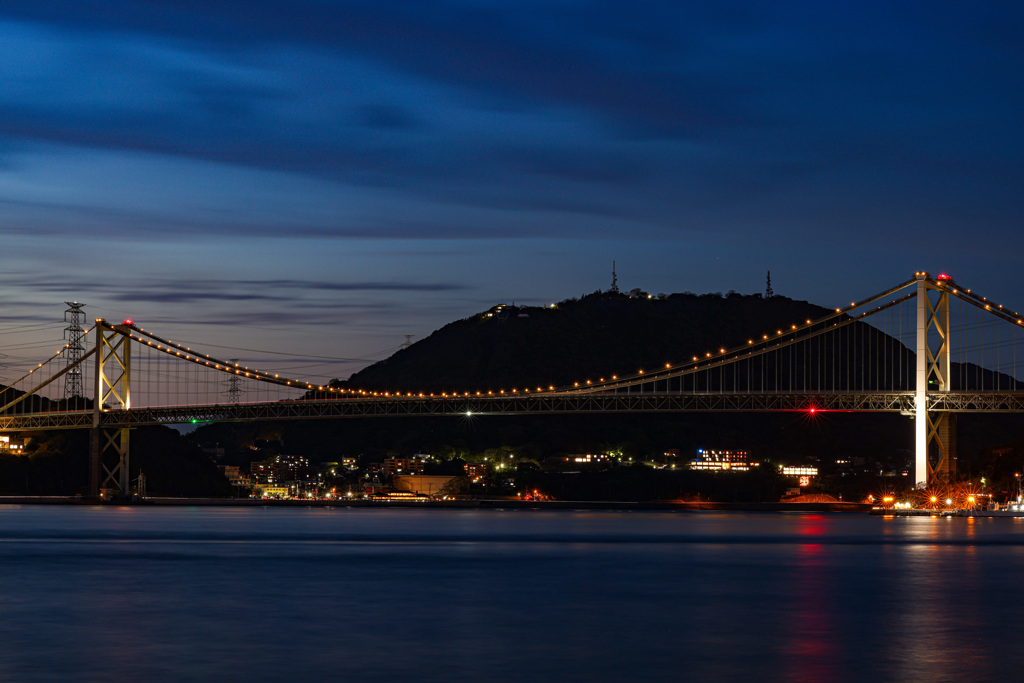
x=482, y=504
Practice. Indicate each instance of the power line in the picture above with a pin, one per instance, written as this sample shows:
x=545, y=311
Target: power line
x=285, y=353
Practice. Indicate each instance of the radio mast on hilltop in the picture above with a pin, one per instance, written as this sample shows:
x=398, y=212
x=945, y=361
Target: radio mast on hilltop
x=615, y=281
x=768, y=293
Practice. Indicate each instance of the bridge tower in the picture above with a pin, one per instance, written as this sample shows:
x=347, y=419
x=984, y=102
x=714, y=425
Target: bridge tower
x=113, y=386
x=934, y=432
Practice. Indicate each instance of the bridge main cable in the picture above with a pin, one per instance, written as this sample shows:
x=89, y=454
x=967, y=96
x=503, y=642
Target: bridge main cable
x=171, y=348
x=756, y=348
x=52, y=378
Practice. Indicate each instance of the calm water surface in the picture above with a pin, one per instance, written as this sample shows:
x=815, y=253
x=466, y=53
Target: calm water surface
x=267, y=594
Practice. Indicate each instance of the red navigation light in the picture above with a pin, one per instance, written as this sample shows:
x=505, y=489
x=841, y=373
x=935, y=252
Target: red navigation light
x=943, y=276
x=128, y=322
x=812, y=409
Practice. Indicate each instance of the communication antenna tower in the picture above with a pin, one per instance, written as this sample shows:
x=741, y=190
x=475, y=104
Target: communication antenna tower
x=768, y=293
x=234, y=391
x=615, y=280
x=408, y=341
x=73, y=334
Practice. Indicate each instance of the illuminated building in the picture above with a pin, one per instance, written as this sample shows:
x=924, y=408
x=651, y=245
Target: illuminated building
x=289, y=473
x=275, y=491
x=304, y=489
x=394, y=466
x=709, y=459
x=399, y=495
x=428, y=484
x=590, y=458
x=11, y=445
x=574, y=462
x=262, y=472
x=788, y=471
x=476, y=471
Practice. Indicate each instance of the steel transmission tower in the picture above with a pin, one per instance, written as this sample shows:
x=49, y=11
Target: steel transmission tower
x=234, y=391
x=73, y=334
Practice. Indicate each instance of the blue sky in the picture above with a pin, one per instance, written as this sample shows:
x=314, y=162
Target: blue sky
x=327, y=177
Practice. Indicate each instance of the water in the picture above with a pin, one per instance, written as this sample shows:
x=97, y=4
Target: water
x=268, y=594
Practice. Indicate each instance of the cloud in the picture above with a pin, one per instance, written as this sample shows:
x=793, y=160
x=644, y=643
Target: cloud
x=233, y=291
x=611, y=57
x=615, y=124
x=275, y=85
x=384, y=116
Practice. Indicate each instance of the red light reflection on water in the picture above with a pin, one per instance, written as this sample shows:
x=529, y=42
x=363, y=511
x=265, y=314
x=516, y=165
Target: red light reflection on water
x=811, y=641
x=812, y=525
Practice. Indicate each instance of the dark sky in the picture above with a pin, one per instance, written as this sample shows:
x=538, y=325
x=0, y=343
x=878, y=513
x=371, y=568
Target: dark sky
x=326, y=177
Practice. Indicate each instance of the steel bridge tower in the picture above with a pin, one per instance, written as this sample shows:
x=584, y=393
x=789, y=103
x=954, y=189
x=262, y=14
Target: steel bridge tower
x=934, y=431
x=113, y=387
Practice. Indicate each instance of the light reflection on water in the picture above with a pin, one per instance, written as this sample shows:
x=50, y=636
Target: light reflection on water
x=265, y=594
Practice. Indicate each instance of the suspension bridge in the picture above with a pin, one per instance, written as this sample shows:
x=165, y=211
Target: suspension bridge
x=927, y=348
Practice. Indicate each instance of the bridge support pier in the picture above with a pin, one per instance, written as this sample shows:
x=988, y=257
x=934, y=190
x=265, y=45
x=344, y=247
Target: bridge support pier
x=94, y=461
x=934, y=433
x=109, y=445
x=943, y=451
x=113, y=384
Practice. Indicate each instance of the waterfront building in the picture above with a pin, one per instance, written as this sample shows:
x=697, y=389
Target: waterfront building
x=303, y=489
x=798, y=471
x=429, y=484
x=711, y=459
x=270, y=491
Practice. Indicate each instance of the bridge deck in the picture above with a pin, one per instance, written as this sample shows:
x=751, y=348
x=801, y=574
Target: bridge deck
x=566, y=403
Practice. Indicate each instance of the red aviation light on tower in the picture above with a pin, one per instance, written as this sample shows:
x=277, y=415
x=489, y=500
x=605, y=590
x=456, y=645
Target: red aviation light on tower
x=128, y=321
x=943, y=277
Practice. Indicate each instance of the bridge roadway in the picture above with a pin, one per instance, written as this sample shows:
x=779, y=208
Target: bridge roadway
x=565, y=403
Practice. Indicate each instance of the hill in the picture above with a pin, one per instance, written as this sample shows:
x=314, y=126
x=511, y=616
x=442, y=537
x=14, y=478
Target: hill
x=600, y=334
